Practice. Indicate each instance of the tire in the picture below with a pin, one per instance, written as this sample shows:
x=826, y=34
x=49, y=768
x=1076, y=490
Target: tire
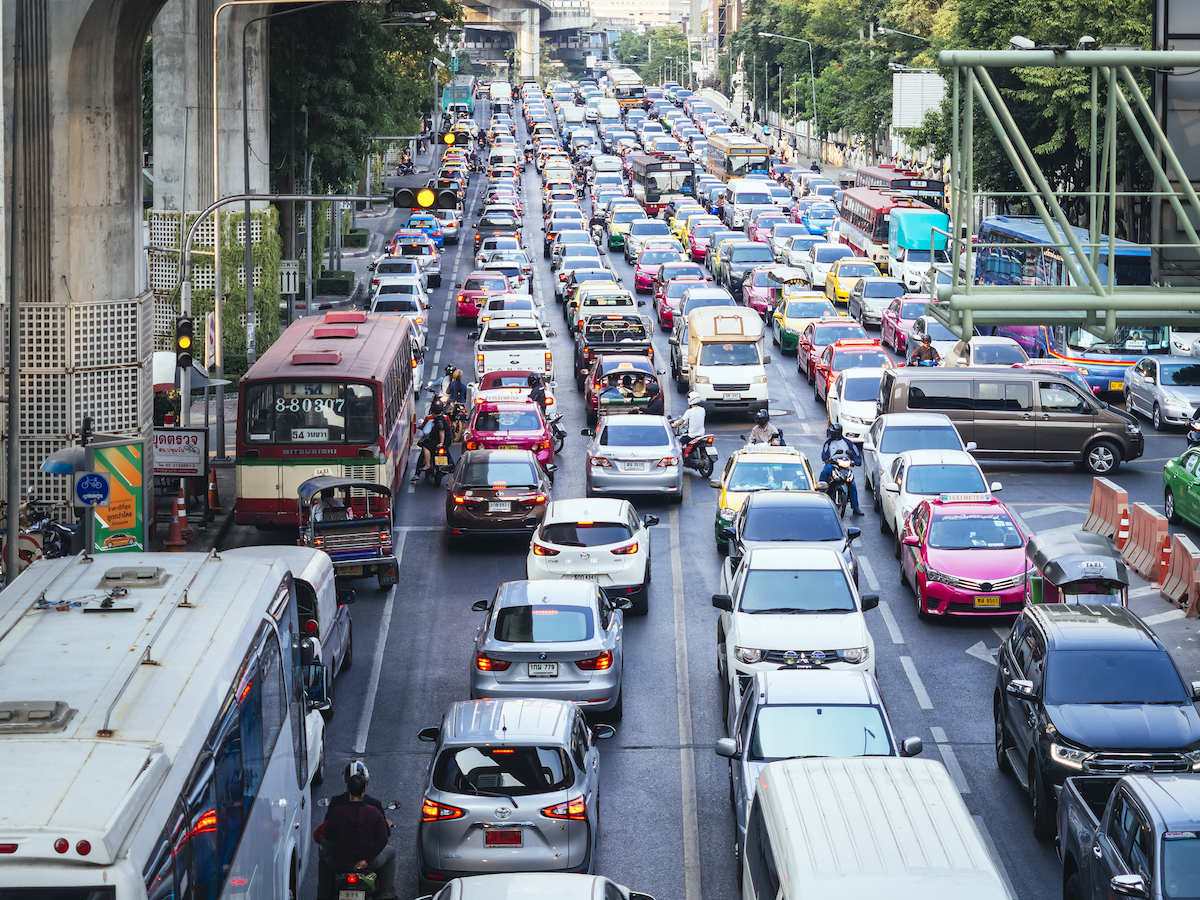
x=775, y=337
x=348, y=656
x=1102, y=458
x=1156, y=418
x=1000, y=738
x=439, y=281
x=680, y=385
x=1072, y=890
x=876, y=501
x=841, y=497
x=1045, y=810
x=1169, y=510
x=922, y=612
x=706, y=466
x=559, y=442
x=897, y=546
x=319, y=774
x=437, y=478
x=884, y=528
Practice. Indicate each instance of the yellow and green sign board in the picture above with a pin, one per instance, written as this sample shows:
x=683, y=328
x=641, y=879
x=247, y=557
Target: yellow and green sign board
x=121, y=526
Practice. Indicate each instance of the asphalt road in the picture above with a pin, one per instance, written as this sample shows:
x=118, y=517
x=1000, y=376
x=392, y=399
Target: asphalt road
x=666, y=824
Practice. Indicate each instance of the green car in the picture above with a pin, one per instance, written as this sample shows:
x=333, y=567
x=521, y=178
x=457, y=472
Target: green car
x=1181, y=488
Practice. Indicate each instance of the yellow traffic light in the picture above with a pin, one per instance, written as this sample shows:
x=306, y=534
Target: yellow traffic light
x=185, y=342
x=450, y=138
x=425, y=198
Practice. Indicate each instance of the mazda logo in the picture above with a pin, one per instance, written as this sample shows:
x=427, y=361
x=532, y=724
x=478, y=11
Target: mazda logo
x=584, y=556
x=503, y=812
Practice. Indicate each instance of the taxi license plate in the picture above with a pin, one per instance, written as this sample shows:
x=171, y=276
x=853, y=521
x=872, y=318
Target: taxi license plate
x=1116, y=385
x=731, y=395
x=499, y=506
x=635, y=467
x=502, y=838
x=543, y=670
x=987, y=602
x=352, y=895
x=509, y=447
x=349, y=570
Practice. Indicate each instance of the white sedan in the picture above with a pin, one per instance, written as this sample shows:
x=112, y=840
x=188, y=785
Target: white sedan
x=599, y=539
x=916, y=475
x=851, y=402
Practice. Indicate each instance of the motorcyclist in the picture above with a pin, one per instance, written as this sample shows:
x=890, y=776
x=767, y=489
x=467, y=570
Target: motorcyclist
x=537, y=391
x=656, y=406
x=443, y=383
x=925, y=353
x=815, y=167
x=437, y=436
x=837, y=444
x=596, y=219
x=356, y=838
x=690, y=425
x=763, y=431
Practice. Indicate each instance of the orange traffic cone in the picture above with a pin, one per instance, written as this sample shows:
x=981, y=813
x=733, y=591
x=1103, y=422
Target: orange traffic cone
x=214, y=499
x=175, y=541
x=181, y=511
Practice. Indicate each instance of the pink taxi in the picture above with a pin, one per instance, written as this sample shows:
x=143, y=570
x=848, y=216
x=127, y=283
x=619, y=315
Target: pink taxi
x=509, y=425
x=898, y=318
x=666, y=305
x=648, y=263
x=699, y=237
x=761, y=229
x=964, y=555
x=472, y=293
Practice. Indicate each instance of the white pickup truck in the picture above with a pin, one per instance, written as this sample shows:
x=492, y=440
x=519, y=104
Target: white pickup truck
x=513, y=344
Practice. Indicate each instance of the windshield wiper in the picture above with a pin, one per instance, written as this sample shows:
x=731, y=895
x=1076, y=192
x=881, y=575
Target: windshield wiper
x=481, y=793
x=775, y=609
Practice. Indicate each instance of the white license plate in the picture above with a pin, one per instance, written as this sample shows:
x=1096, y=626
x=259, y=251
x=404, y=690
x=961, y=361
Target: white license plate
x=731, y=395
x=585, y=577
x=635, y=467
x=543, y=670
x=352, y=895
x=499, y=506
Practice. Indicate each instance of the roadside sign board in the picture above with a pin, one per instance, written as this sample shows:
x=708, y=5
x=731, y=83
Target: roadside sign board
x=121, y=527
x=181, y=452
x=92, y=488
x=289, y=276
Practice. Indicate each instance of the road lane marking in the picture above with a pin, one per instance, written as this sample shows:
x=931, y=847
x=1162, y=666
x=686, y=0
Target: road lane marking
x=1049, y=511
x=915, y=680
x=441, y=340
x=1169, y=616
x=890, y=621
x=951, y=761
x=991, y=845
x=872, y=581
x=981, y=651
x=364, y=723
x=683, y=703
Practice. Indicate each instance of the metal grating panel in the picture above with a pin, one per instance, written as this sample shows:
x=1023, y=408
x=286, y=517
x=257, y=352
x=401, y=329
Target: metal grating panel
x=110, y=397
x=106, y=334
x=164, y=228
x=44, y=403
x=34, y=482
x=241, y=275
x=164, y=270
x=255, y=229
x=43, y=336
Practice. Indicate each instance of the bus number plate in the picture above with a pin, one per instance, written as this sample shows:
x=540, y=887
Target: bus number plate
x=669, y=167
x=310, y=434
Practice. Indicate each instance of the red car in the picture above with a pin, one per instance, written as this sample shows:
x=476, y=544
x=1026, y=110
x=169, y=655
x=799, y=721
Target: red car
x=898, y=318
x=698, y=239
x=670, y=271
x=508, y=384
x=472, y=293
x=667, y=306
x=866, y=353
x=648, y=263
x=509, y=425
x=817, y=336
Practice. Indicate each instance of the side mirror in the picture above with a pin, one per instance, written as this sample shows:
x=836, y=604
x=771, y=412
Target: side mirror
x=853, y=533
x=972, y=446
x=621, y=603
x=892, y=487
x=911, y=539
x=480, y=606
x=586, y=432
x=551, y=467
x=870, y=445
x=822, y=485
x=766, y=359
x=1196, y=690
x=459, y=285
x=641, y=303
x=727, y=532
x=345, y=597
x=1019, y=687
x=649, y=521
x=723, y=602
x=673, y=341
x=1149, y=379
x=429, y=734
x=911, y=746
x=473, y=335
x=316, y=687
x=714, y=483
x=727, y=747
x=869, y=601
x=1128, y=886
x=996, y=486
x=603, y=732
x=551, y=334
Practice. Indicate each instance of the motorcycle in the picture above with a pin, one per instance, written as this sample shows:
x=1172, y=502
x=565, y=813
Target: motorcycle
x=353, y=884
x=1193, y=433
x=406, y=168
x=598, y=236
x=924, y=362
x=838, y=484
x=777, y=441
x=699, y=454
x=559, y=433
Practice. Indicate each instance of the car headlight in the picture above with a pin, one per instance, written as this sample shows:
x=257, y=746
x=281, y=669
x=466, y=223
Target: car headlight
x=855, y=655
x=787, y=329
x=1178, y=403
x=758, y=379
x=748, y=654
x=1070, y=756
x=855, y=419
x=701, y=379
x=1132, y=428
x=940, y=577
x=1193, y=756
x=725, y=514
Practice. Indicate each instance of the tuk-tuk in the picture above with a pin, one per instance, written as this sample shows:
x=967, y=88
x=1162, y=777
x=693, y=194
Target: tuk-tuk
x=1076, y=567
x=350, y=520
x=787, y=281
x=621, y=384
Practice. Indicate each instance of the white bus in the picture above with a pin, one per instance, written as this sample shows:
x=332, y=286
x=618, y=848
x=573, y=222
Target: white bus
x=152, y=730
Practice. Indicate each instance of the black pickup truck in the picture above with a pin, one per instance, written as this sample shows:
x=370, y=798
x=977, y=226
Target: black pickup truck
x=611, y=333
x=1130, y=836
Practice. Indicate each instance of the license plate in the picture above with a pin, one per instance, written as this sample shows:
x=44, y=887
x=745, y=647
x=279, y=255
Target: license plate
x=987, y=601
x=585, y=577
x=635, y=467
x=509, y=447
x=349, y=570
x=502, y=839
x=352, y=895
x=499, y=506
x=731, y=395
x=1116, y=385
x=543, y=670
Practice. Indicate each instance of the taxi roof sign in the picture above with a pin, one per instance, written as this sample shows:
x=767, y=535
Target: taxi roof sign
x=964, y=498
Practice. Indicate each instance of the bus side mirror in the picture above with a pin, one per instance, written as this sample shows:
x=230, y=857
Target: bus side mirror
x=316, y=688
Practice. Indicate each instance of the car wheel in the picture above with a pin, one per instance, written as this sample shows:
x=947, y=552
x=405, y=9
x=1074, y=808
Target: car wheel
x=923, y=612
x=884, y=527
x=877, y=501
x=1001, y=739
x=1156, y=418
x=775, y=336
x=1072, y=890
x=1045, y=813
x=1102, y=458
x=897, y=546
x=1169, y=507
x=592, y=419
x=348, y=656
x=680, y=384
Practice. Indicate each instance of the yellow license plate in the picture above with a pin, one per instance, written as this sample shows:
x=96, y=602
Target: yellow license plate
x=987, y=601
x=1116, y=385
x=355, y=570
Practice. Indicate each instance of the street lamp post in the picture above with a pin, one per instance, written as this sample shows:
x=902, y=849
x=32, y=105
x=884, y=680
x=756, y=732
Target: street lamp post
x=812, y=77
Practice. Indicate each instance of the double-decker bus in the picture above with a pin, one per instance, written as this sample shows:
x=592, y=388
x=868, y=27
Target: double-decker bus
x=332, y=396
x=658, y=178
x=865, y=221
x=903, y=181
x=1019, y=250
x=163, y=740
x=625, y=86
x=736, y=156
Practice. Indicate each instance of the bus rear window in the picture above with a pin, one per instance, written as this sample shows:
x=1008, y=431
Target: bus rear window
x=309, y=412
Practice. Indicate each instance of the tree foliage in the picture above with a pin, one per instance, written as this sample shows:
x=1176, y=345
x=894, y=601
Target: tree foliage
x=648, y=53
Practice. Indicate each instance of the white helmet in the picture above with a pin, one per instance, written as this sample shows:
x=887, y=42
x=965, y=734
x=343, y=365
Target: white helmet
x=693, y=398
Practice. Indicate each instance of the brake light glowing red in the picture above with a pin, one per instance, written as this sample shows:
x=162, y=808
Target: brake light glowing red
x=625, y=550
x=432, y=811
x=573, y=809
x=542, y=550
x=596, y=663
x=485, y=663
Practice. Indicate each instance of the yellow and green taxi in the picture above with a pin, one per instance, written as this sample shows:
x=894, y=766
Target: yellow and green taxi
x=844, y=274
x=620, y=216
x=679, y=221
x=757, y=468
x=793, y=312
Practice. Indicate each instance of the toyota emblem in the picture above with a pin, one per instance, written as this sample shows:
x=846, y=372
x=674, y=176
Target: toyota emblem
x=986, y=586
x=503, y=812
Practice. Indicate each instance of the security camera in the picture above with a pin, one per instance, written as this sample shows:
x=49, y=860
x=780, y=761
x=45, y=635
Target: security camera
x=1087, y=42
x=1017, y=42
x=437, y=62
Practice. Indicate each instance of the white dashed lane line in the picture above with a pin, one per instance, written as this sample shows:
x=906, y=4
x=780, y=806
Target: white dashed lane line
x=915, y=680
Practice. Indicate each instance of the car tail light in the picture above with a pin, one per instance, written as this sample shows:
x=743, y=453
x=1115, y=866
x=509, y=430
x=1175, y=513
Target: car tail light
x=668, y=461
x=625, y=550
x=83, y=848
x=543, y=550
x=462, y=297
x=479, y=359
x=600, y=461
x=572, y=809
x=460, y=499
x=543, y=445
x=549, y=361
x=432, y=811
x=540, y=498
x=596, y=663
x=470, y=445
x=8, y=848
x=311, y=626
x=485, y=663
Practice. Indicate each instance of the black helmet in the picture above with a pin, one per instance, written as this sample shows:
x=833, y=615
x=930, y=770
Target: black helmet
x=762, y=417
x=534, y=379
x=835, y=431
x=449, y=370
x=927, y=338
x=436, y=407
x=652, y=389
x=356, y=767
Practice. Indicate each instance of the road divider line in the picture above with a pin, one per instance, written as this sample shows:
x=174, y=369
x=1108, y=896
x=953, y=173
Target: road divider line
x=889, y=620
x=872, y=581
x=951, y=761
x=915, y=680
x=991, y=845
x=683, y=703
x=364, y=722
x=1168, y=616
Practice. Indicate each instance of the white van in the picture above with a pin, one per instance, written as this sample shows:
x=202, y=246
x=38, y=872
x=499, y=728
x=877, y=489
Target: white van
x=888, y=827
x=608, y=109
x=740, y=195
x=727, y=358
x=571, y=115
x=504, y=155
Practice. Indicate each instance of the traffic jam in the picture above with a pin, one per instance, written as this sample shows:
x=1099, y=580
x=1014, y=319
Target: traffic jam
x=645, y=385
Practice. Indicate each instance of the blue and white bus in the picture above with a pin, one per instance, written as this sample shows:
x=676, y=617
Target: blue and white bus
x=1000, y=260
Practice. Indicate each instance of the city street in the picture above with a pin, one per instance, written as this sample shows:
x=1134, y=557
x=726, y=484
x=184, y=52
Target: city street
x=667, y=826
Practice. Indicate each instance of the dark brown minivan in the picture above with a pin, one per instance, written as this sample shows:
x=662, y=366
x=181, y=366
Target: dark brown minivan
x=1018, y=414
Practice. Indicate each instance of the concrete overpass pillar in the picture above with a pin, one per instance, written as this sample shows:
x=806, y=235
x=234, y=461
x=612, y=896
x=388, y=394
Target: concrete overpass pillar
x=527, y=35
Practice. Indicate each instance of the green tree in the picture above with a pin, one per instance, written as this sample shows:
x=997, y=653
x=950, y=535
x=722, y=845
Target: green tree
x=649, y=53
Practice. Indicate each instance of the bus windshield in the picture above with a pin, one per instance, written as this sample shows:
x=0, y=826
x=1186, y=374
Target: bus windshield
x=312, y=412
x=659, y=183
x=738, y=163
x=1129, y=340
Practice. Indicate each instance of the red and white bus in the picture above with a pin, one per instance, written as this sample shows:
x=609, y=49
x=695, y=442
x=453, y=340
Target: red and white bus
x=864, y=213
x=332, y=396
x=903, y=181
x=657, y=179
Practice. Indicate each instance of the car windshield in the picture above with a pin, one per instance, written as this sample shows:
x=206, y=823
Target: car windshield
x=652, y=257
x=912, y=310
x=807, y=522
x=650, y=434
x=1112, y=676
x=759, y=253
x=804, y=242
x=788, y=732
x=478, y=473
x=507, y=420
x=883, y=289
x=1006, y=355
x=485, y=283
x=898, y=438
x=400, y=306
x=852, y=270
x=729, y=354
x=974, y=532
x=858, y=390
x=573, y=237
x=796, y=591
x=667, y=273
x=768, y=476
x=543, y=624
x=944, y=479
x=1181, y=865
x=807, y=309
x=829, y=254
x=649, y=227
x=762, y=278
x=848, y=359
x=825, y=336
x=497, y=221
x=749, y=198
x=621, y=216
x=585, y=534
x=515, y=771
x=938, y=331
x=822, y=211
x=1180, y=374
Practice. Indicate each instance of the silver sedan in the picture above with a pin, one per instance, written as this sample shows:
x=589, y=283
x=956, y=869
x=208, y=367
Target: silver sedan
x=558, y=639
x=634, y=454
x=1165, y=389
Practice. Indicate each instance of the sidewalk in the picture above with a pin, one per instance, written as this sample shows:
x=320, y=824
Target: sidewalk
x=208, y=526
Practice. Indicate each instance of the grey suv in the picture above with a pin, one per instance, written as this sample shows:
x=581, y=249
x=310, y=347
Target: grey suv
x=514, y=787
x=739, y=257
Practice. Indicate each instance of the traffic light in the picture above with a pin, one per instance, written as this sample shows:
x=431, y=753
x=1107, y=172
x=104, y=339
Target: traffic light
x=183, y=342
x=424, y=198
x=456, y=139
